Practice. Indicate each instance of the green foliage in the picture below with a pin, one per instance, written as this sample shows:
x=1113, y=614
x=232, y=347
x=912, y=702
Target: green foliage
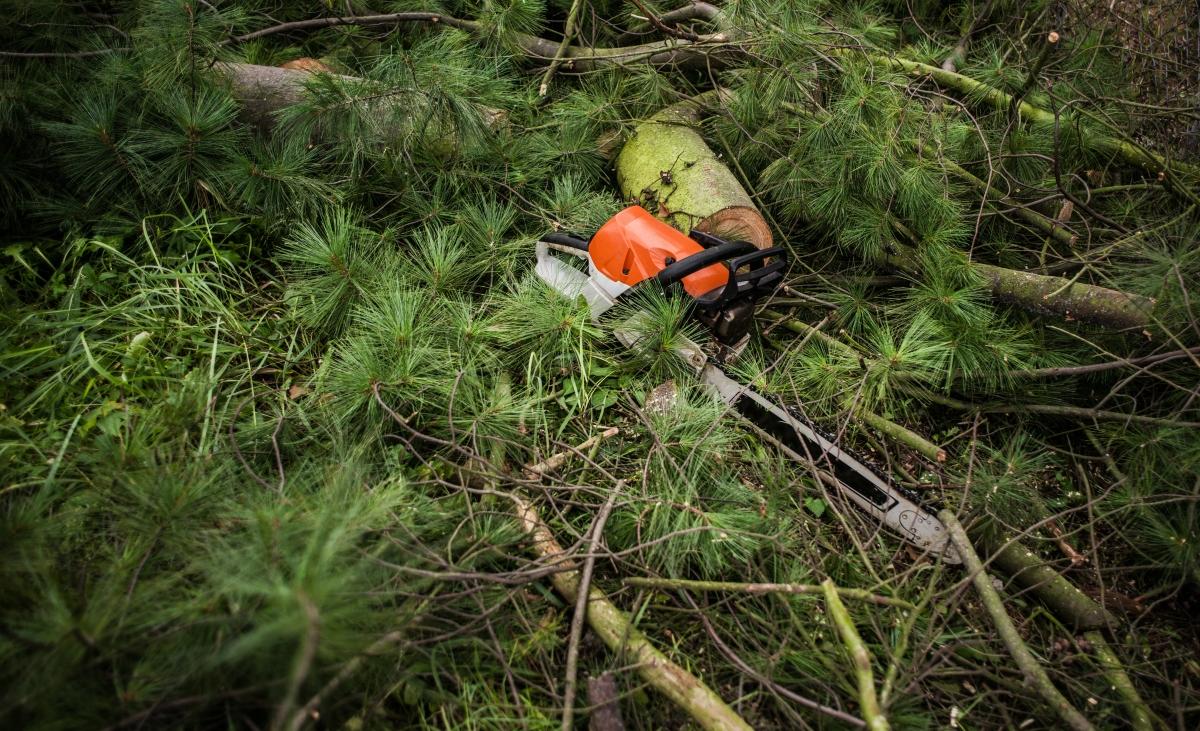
x=265, y=392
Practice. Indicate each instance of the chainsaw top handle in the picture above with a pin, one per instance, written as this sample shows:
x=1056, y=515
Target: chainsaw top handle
x=565, y=239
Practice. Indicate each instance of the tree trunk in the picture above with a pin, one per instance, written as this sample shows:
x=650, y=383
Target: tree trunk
x=667, y=168
x=264, y=90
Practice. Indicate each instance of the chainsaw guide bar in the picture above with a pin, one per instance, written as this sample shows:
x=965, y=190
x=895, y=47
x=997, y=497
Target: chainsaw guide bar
x=724, y=280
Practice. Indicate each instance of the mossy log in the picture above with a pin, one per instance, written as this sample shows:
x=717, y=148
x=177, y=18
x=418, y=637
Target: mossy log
x=668, y=169
x=1059, y=297
x=1048, y=295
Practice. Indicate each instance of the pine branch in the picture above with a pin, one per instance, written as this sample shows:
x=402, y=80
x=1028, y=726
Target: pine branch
x=687, y=691
x=581, y=606
x=1035, y=674
x=1125, y=150
x=568, y=34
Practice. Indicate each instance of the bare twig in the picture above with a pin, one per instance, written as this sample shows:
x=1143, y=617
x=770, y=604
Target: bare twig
x=766, y=681
x=746, y=588
x=555, y=461
x=304, y=659
x=62, y=54
x=658, y=23
x=687, y=691
x=568, y=34
x=581, y=608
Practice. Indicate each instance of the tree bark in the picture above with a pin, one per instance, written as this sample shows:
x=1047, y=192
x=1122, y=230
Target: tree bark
x=1051, y=296
x=264, y=90
x=1060, y=297
x=668, y=168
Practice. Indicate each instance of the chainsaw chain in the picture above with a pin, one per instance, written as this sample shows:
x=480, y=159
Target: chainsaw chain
x=878, y=470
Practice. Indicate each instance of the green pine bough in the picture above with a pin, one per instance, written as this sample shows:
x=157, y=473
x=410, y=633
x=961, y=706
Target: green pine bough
x=1046, y=295
x=1123, y=150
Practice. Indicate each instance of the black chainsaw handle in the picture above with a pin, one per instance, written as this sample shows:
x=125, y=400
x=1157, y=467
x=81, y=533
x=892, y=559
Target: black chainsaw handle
x=722, y=252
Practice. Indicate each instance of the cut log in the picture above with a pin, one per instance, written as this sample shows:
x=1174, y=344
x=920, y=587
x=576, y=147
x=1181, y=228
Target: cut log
x=668, y=169
x=263, y=90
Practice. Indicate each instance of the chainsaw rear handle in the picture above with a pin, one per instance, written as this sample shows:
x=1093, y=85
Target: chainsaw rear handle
x=691, y=264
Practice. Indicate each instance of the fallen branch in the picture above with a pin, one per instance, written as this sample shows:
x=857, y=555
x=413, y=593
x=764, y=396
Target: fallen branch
x=557, y=460
x=1035, y=674
x=1047, y=295
x=868, y=702
x=733, y=586
x=264, y=91
x=612, y=626
x=1056, y=296
x=1065, y=600
x=969, y=88
x=568, y=34
x=1037, y=293
x=1140, y=716
x=902, y=434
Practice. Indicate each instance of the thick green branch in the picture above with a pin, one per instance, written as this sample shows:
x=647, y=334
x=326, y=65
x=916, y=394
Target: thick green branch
x=1035, y=674
x=868, y=701
x=1123, y=150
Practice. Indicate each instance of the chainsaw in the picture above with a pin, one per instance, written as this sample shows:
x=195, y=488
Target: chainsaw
x=723, y=280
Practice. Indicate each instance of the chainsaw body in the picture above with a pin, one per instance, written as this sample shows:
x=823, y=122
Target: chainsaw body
x=722, y=278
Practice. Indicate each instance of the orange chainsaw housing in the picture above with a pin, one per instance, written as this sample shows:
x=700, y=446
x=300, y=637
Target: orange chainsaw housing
x=633, y=246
